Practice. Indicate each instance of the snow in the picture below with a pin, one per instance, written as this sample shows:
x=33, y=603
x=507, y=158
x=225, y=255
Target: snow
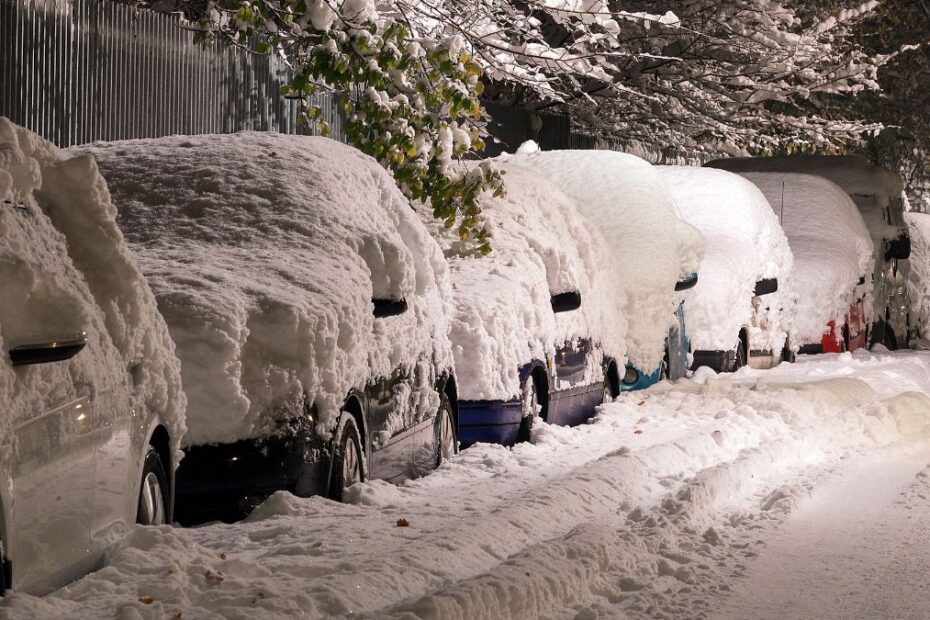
x=626, y=199
x=502, y=316
x=264, y=252
x=65, y=269
x=831, y=245
x=918, y=284
x=744, y=244
x=661, y=507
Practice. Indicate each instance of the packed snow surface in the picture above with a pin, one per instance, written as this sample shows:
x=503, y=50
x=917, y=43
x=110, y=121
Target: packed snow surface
x=265, y=252
x=503, y=316
x=651, y=247
x=744, y=244
x=831, y=245
x=65, y=269
x=659, y=508
x=918, y=284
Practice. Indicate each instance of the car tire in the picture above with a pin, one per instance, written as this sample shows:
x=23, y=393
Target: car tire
x=666, y=372
x=845, y=343
x=608, y=394
x=447, y=437
x=889, y=339
x=530, y=406
x=740, y=360
x=153, y=491
x=348, y=462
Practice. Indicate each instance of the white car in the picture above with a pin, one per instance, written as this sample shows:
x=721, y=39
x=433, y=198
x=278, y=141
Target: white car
x=654, y=254
x=308, y=303
x=90, y=389
x=742, y=308
x=537, y=326
x=832, y=259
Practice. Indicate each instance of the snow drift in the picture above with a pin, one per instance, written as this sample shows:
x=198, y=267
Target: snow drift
x=744, y=244
x=503, y=318
x=65, y=268
x=831, y=245
x=265, y=252
x=650, y=246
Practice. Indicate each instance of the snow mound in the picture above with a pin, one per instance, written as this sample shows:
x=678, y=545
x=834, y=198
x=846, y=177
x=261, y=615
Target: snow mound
x=65, y=269
x=919, y=277
x=625, y=198
x=743, y=244
x=503, y=317
x=831, y=245
x=265, y=252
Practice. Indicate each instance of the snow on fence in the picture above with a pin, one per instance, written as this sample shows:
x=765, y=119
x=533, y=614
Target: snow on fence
x=75, y=71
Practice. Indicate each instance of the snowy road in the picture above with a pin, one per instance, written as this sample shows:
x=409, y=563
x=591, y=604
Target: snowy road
x=792, y=492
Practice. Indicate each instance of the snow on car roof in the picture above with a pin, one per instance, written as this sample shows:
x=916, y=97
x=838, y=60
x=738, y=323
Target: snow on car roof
x=503, y=318
x=651, y=248
x=265, y=251
x=743, y=244
x=831, y=245
x=65, y=269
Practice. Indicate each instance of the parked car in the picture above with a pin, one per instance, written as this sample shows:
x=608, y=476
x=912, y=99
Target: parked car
x=90, y=388
x=878, y=195
x=537, y=329
x=918, y=225
x=742, y=308
x=308, y=304
x=655, y=254
x=833, y=259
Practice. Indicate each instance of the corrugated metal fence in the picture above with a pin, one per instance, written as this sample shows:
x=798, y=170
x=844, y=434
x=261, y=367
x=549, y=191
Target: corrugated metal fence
x=75, y=71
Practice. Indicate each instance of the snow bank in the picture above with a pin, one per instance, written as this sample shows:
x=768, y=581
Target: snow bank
x=65, y=269
x=651, y=248
x=918, y=283
x=744, y=244
x=831, y=245
x=503, y=317
x=650, y=511
x=265, y=252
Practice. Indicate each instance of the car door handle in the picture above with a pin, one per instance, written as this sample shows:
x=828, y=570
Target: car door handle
x=45, y=352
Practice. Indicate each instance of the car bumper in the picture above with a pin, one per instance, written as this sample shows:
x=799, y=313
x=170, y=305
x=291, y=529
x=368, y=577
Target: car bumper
x=489, y=421
x=225, y=481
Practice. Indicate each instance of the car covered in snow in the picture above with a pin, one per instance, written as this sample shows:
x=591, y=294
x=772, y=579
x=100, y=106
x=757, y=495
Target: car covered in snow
x=741, y=310
x=90, y=389
x=832, y=259
x=308, y=304
x=537, y=327
x=877, y=193
x=654, y=253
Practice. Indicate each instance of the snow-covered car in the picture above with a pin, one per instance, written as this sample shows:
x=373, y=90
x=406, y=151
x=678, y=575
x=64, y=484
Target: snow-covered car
x=90, y=389
x=918, y=225
x=537, y=326
x=742, y=309
x=877, y=193
x=654, y=253
x=832, y=259
x=308, y=303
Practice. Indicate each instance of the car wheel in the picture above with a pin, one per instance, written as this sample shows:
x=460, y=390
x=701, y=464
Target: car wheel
x=608, y=396
x=845, y=343
x=530, y=406
x=787, y=355
x=666, y=366
x=447, y=440
x=347, y=458
x=153, y=492
x=740, y=360
x=889, y=339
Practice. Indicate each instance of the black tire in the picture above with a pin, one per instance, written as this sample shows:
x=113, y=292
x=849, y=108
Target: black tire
x=608, y=392
x=740, y=360
x=666, y=366
x=845, y=343
x=530, y=403
x=889, y=339
x=152, y=507
x=348, y=458
x=447, y=436
x=787, y=355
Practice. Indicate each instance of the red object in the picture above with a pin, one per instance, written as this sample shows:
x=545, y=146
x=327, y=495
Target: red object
x=831, y=342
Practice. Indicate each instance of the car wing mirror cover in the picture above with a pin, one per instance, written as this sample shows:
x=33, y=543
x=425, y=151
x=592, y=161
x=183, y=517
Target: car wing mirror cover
x=388, y=307
x=566, y=302
x=46, y=352
x=689, y=281
x=899, y=248
x=765, y=286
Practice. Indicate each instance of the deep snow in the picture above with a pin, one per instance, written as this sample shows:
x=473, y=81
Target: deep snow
x=660, y=507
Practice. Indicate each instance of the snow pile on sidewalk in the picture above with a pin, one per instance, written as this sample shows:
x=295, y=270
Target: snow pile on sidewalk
x=265, y=252
x=831, y=245
x=647, y=512
x=651, y=247
x=744, y=244
x=918, y=283
x=64, y=269
x=503, y=316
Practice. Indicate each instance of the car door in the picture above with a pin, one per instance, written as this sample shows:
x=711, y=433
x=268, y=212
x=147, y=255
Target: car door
x=389, y=424
x=569, y=402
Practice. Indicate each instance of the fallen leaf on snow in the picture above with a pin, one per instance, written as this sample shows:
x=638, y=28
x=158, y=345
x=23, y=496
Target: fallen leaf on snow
x=403, y=522
x=148, y=600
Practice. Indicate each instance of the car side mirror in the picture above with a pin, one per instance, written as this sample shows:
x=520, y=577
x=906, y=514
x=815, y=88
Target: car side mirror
x=899, y=248
x=765, y=287
x=388, y=307
x=43, y=353
x=689, y=281
x=566, y=302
